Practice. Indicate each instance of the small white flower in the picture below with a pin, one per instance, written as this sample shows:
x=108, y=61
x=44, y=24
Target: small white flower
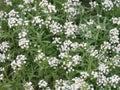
x=90, y=22
x=28, y=86
x=93, y=4
x=37, y=20
x=103, y=68
x=40, y=56
x=17, y=64
x=98, y=27
x=107, y=5
x=70, y=29
x=106, y=45
x=4, y=46
x=23, y=33
x=2, y=57
x=24, y=43
x=116, y=20
x=1, y=76
x=28, y=1
x=117, y=3
x=53, y=62
x=84, y=75
x=13, y=13
x=8, y=2
x=55, y=28
x=42, y=83
x=114, y=80
x=47, y=7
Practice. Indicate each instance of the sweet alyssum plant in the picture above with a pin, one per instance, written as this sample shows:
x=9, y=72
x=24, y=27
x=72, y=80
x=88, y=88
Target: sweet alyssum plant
x=59, y=45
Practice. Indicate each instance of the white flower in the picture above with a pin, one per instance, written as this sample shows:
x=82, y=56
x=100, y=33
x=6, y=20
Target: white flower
x=102, y=80
x=74, y=46
x=84, y=75
x=114, y=39
x=8, y=2
x=2, y=57
x=117, y=48
x=98, y=27
x=28, y=1
x=95, y=74
x=20, y=6
x=114, y=80
x=93, y=4
x=56, y=40
x=76, y=59
x=42, y=83
x=80, y=84
x=40, y=56
x=47, y=7
x=53, y=62
x=90, y=22
x=88, y=34
x=13, y=13
x=114, y=32
x=4, y=46
x=12, y=21
x=28, y=86
x=1, y=76
x=65, y=46
x=117, y=3
x=94, y=53
x=62, y=85
x=37, y=20
x=17, y=64
x=114, y=35
x=55, y=27
x=2, y=68
x=116, y=20
x=106, y=45
x=24, y=43
x=107, y=5
x=3, y=15
x=116, y=61
x=63, y=55
x=23, y=33
x=71, y=7
x=103, y=68
x=70, y=29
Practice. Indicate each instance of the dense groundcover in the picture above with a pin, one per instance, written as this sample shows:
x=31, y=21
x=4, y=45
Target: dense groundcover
x=59, y=45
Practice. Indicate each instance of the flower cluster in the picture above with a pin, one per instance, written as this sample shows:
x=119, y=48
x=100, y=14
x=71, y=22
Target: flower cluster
x=47, y=7
x=117, y=3
x=53, y=62
x=116, y=20
x=23, y=41
x=14, y=19
x=93, y=4
x=40, y=56
x=17, y=64
x=78, y=83
x=28, y=86
x=69, y=62
x=71, y=7
x=42, y=84
x=4, y=46
x=55, y=27
x=70, y=29
x=28, y=1
x=38, y=21
x=107, y=5
x=114, y=33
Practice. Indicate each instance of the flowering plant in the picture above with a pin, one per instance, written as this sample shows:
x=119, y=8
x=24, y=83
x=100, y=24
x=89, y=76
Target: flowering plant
x=60, y=45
